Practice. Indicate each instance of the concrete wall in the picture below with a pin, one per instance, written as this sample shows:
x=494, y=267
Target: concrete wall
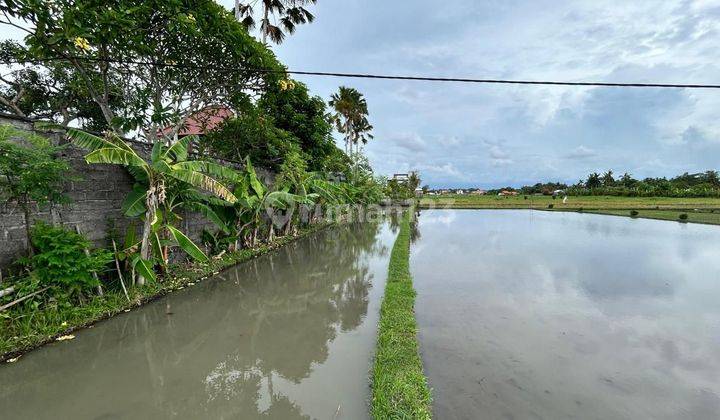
x=96, y=201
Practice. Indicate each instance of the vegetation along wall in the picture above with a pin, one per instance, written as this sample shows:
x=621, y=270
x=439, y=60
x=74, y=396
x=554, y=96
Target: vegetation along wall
x=96, y=192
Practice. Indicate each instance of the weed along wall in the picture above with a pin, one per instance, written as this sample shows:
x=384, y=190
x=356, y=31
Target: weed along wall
x=96, y=201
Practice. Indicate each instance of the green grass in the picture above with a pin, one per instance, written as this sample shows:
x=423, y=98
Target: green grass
x=699, y=210
x=399, y=386
x=25, y=329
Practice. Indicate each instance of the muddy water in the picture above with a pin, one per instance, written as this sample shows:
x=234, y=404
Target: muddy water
x=286, y=336
x=557, y=315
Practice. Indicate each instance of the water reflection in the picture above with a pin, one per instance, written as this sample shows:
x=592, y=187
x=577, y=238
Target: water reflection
x=545, y=315
x=266, y=342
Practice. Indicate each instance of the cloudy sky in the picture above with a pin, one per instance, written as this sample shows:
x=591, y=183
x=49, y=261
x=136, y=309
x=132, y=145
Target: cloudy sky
x=468, y=135
x=462, y=135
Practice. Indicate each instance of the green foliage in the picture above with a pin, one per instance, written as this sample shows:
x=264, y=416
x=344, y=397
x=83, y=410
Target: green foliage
x=166, y=183
x=305, y=118
x=52, y=90
x=399, y=190
x=60, y=261
x=29, y=168
x=278, y=17
x=683, y=216
x=284, y=121
x=351, y=112
x=30, y=172
x=118, y=38
x=634, y=213
x=251, y=134
x=399, y=386
x=26, y=327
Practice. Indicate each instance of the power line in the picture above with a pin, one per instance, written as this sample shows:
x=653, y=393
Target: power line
x=374, y=76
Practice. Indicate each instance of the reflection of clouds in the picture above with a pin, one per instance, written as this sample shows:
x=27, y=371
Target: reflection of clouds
x=446, y=217
x=620, y=315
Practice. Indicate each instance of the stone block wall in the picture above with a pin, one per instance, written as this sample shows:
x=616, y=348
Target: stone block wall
x=96, y=201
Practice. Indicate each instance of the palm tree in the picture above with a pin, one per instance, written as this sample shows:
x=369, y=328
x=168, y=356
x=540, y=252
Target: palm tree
x=165, y=163
x=286, y=14
x=350, y=117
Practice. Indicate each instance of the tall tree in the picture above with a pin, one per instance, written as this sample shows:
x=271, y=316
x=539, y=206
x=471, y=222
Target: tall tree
x=593, y=181
x=170, y=56
x=608, y=180
x=278, y=16
x=53, y=90
x=350, y=117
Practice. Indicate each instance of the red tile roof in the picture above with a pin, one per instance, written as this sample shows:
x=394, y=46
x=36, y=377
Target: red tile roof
x=202, y=121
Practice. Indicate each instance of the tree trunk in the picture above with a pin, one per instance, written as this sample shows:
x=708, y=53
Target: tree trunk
x=266, y=21
x=151, y=204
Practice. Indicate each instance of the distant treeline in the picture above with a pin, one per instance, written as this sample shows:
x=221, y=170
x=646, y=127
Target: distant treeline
x=705, y=184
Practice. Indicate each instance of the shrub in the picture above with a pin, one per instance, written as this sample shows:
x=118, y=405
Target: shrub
x=634, y=213
x=61, y=263
x=580, y=209
x=683, y=216
x=550, y=206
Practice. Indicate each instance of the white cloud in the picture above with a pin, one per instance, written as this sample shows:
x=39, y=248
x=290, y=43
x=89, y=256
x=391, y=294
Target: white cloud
x=581, y=152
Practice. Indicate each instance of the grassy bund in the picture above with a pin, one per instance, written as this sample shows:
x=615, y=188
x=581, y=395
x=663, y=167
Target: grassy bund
x=28, y=330
x=698, y=210
x=399, y=386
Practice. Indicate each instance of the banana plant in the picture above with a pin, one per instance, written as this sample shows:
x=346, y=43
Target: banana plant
x=254, y=200
x=167, y=163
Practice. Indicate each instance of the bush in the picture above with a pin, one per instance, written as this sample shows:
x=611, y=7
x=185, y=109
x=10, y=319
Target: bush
x=683, y=216
x=60, y=262
x=550, y=206
x=580, y=209
x=634, y=213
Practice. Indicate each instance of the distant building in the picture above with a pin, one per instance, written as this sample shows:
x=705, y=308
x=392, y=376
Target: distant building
x=201, y=122
x=507, y=193
x=401, y=177
x=478, y=192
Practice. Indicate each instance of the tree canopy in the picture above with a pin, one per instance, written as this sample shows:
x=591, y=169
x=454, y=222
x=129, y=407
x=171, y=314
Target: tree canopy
x=170, y=57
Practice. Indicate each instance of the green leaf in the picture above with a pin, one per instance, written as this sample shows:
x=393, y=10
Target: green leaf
x=255, y=183
x=155, y=154
x=115, y=155
x=209, y=168
x=93, y=142
x=202, y=181
x=130, y=236
x=144, y=268
x=179, y=149
x=187, y=245
x=209, y=213
x=138, y=173
x=134, y=204
x=87, y=140
x=156, y=246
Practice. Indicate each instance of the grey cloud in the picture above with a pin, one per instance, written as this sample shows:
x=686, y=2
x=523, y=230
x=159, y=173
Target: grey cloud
x=581, y=152
x=440, y=127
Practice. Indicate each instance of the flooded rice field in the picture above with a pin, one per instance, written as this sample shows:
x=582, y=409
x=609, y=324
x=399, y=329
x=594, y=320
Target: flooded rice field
x=289, y=335
x=539, y=315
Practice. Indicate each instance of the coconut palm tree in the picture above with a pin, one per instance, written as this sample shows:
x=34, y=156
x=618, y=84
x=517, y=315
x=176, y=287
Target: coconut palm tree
x=278, y=16
x=165, y=163
x=350, y=117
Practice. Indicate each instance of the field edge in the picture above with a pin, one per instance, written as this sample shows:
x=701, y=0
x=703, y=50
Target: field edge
x=399, y=385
